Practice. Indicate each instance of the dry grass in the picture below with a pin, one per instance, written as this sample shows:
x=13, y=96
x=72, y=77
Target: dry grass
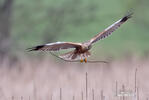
x=47, y=79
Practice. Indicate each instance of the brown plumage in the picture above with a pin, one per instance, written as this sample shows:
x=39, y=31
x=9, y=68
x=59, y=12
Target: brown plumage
x=81, y=50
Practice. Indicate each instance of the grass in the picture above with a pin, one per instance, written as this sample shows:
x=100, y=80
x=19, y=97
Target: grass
x=48, y=79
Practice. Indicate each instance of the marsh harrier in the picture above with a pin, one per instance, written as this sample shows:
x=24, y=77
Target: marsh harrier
x=81, y=50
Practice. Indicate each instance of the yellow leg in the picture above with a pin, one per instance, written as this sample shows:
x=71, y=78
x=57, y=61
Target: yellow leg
x=81, y=60
x=85, y=60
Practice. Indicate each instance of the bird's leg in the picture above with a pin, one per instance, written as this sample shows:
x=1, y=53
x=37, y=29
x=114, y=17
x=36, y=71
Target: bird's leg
x=81, y=60
x=85, y=60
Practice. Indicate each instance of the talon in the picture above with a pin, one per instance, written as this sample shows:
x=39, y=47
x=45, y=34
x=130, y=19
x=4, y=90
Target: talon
x=85, y=60
x=81, y=60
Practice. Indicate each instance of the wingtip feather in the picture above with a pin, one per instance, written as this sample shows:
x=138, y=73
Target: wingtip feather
x=35, y=48
x=127, y=16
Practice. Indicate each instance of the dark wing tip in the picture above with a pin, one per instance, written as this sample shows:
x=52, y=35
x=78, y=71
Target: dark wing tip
x=35, y=48
x=126, y=17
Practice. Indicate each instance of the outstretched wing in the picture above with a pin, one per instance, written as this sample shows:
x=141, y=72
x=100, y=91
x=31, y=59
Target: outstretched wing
x=55, y=46
x=110, y=29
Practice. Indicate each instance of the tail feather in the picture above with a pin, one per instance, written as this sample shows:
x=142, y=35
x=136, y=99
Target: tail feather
x=72, y=55
x=67, y=55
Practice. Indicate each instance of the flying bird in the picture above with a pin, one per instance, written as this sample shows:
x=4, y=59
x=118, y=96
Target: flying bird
x=81, y=50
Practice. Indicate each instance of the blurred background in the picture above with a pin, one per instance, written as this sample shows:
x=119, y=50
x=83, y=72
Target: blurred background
x=27, y=23
x=24, y=24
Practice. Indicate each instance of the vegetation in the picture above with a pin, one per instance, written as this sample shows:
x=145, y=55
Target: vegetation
x=47, y=79
x=35, y=22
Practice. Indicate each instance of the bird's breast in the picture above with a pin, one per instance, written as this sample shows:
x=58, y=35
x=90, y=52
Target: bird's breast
x=84, y=49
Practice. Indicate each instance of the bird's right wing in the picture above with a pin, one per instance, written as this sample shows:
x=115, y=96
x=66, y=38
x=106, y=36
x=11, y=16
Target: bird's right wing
x=55, y=46
x=110, y=29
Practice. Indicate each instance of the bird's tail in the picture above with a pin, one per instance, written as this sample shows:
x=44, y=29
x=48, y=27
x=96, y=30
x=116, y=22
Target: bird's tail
x=72, y=55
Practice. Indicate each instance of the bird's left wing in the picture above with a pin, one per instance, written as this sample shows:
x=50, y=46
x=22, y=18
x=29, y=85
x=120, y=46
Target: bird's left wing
x=110, y=29
x=55, y=46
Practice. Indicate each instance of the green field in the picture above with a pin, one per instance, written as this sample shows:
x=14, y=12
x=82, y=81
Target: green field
x=37, y=22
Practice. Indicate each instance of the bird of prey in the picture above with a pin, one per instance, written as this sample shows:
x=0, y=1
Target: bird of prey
x=81, y=50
